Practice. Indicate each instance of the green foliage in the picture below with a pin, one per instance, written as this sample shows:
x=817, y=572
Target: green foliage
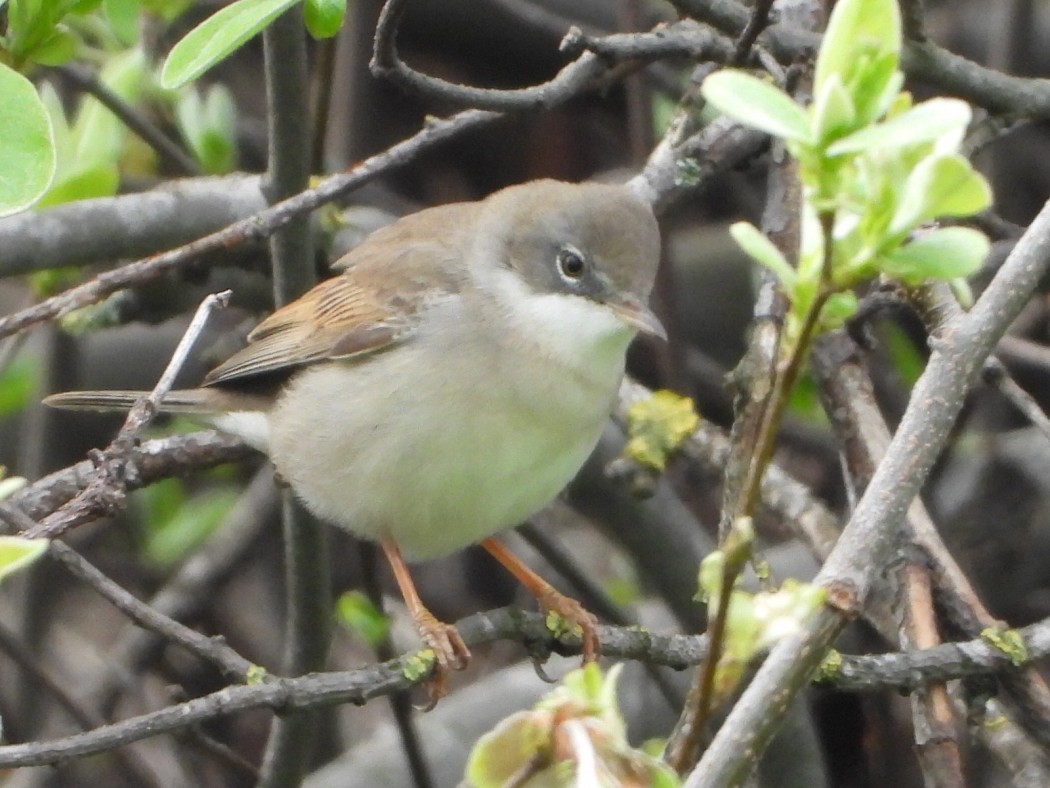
x=905, y=357
x=123, y=18
x=419, y=664
x=36, y=32
x=324, y=17
x=356, y=612
x=227, y=30
x=89, y=149
x=874, y=169
x=27, y=155
x=177, y=523
x=757, y=103
x=754, y=622
x=208, y=126
x=15, y=552
x=217, y=37
x=17, y=385
x=575, y=736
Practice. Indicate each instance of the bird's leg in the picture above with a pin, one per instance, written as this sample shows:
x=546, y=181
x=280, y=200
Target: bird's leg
x=450, y=652
x=550, y=599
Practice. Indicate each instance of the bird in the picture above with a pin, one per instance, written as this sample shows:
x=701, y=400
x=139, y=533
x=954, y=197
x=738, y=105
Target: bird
x=448, y=383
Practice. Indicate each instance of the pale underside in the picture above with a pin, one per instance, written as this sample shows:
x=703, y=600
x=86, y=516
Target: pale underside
x=449, y=438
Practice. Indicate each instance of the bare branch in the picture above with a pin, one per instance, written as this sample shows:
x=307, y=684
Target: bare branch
x=107, y=491
x=255, y=227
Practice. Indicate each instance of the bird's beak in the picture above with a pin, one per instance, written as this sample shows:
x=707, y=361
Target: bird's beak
x=638, y=316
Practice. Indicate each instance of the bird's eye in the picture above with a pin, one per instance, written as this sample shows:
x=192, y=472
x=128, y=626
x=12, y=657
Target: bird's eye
x=571, y=263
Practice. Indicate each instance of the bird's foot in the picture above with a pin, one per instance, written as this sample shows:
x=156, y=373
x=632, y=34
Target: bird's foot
x=450, y=653
x=573, y=616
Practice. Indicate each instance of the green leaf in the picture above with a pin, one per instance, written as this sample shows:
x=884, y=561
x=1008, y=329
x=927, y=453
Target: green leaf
x=82, y=7
x=923, y=123
x=17, y=384
x=944, y=253
x=27, y=148
x=172, y=536
x=356, y=612
x=876, y=87
x=167, y=9
x=208, y=127
x=10, y=485
x=833, y=113
x=756, y=103
x=123, y=18
x=89, y=150
x=765, y=252
x=324, y=17
x=217, y=37
x=859, y=34
x=98, y=134
x=17, y=553
x=940, y=186
x=55, y=49
x=100, y=180
x=839, y=308
x=501, y=753
x=904, y=356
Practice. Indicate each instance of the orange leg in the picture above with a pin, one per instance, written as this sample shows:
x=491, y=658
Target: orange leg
x=450, y=652
x=549, y=598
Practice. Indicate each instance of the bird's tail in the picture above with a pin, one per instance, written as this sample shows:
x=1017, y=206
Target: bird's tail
x=181, y=401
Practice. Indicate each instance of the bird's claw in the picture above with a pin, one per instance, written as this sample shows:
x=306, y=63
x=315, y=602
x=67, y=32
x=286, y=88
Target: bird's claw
x=576, y=616
x=450, y=653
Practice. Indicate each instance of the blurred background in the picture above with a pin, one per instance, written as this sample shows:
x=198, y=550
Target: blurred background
x=214, y=537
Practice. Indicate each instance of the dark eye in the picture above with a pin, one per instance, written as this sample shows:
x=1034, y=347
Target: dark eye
x=571, y=263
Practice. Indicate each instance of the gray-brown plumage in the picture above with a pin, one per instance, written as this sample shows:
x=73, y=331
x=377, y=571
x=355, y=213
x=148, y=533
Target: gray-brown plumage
x=454, y=378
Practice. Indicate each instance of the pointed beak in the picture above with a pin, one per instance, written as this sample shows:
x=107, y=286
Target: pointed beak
x=638, y=316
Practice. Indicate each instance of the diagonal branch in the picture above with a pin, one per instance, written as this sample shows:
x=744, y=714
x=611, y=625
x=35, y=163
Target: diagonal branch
x=865, y=546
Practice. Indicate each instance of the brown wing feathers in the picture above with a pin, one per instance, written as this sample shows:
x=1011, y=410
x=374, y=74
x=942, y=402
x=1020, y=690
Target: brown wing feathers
x=371, y=306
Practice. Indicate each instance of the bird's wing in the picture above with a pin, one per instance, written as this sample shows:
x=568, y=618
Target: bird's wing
x=372, y=306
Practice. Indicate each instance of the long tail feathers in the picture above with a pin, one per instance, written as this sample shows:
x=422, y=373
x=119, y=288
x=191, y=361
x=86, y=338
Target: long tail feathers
x=185, y=401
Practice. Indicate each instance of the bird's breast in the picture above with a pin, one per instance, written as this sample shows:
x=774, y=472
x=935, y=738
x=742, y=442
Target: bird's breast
x=436, y=456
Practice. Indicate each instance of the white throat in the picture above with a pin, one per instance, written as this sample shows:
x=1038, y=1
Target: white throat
x=570, y=330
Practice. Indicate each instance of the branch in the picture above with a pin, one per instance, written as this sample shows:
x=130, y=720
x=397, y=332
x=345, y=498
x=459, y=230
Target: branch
x=149, y=462
x=307, y=592
x=107, y=490
x=921, y=60
x=165, y=147
x=866, y=673
x=128, y=225
x=867, y=541
x=256, y=227
x=586, y=72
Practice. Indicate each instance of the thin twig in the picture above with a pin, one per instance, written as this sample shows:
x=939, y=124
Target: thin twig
x=257, y=226
x=129, y=762
x=749, y=35
x=864, y=548
x=149, y=462
x=936, y=743
x=106, y=493
x=212, y=650
x=903, y=671
x=168, y=150
x=587, y=72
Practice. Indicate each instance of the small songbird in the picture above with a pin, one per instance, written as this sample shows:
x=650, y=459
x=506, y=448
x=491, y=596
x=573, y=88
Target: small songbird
x=451, y=381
